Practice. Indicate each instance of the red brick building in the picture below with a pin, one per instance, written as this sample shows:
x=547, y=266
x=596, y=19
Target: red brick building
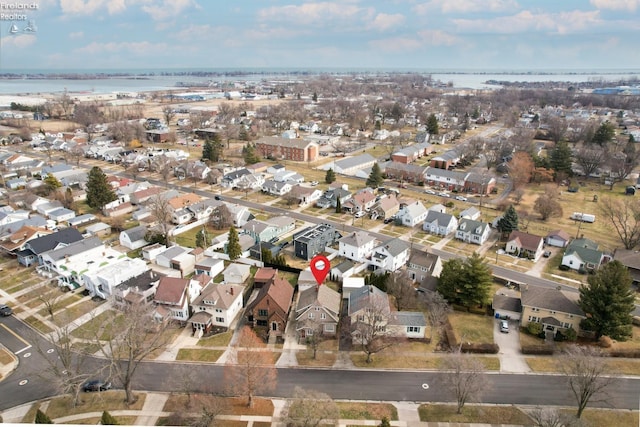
x=297, y=150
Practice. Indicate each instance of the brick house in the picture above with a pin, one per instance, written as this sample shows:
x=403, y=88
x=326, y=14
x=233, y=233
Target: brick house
x=299, y=150
x=269, y=307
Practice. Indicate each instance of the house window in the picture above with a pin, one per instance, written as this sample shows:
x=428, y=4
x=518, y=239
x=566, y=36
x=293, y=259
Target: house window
x=329, y=328
x=218, y=310
x=323, y=316
x=536, y=309
x=261, y=322
x=220, y=319
x=566, y=325
x=263, y=313
x=552, y=312
x=361, y=317
x=310, y=315
x=534, y=319
x=413, y=329
x=380, y=328
x=570, y=262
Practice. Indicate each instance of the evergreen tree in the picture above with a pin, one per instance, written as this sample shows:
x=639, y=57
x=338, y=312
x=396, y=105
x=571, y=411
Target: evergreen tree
x=99, y=192
x=604, y=134
x=42, y=418
x=207, y=150
x=330, y=176
x=508, y=222
x=250, y=154
x=314, y=98
x=52, y=183
x=233, y=246
x=107, y=419
x=467, y=282
x=608, y=301
x=375, y=178
x=201, y=239
x=561, y=158
x=432, y=125
x=338, y=206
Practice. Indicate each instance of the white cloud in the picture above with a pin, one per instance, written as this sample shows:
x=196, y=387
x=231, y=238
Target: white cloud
x=17, y=42
x=384, y=21
x=630, y=5
x=466, y=6
x=396, y=44
x=526, y=21
x=159, y=10
x=89, y=7
x=168, y=9
x=76, y=35
x=138, y=48
x=438, y=38
x=321, y=13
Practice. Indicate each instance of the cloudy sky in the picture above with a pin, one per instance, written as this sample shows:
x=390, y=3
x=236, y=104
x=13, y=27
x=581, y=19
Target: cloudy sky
x=378, y=34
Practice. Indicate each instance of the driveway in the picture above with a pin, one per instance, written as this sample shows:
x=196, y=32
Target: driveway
x=511, y=359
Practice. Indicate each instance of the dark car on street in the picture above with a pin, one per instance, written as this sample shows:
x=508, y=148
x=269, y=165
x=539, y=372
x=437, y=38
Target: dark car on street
x=96, y=385
x=5, y=310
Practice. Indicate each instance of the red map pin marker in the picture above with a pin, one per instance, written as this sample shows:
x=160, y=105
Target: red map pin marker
x=320, y=268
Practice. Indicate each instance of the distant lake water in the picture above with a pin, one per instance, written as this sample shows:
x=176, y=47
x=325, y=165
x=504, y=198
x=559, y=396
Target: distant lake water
x=469, y=80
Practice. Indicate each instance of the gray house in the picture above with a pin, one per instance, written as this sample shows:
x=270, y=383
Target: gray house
x=312, y=241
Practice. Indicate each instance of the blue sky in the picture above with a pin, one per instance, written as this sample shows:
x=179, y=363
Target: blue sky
x=389, y=34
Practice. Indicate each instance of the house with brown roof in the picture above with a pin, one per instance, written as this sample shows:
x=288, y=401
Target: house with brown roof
x=317, y=311
x=183, y=201
x=558, y=238
x=216, y=307
x=525, y=245
x=268, y=307
x=17, y=241
x=173, y=295
x=263, y=276
x=553, y=308
x=279, y=148
x=386, y=207
x=631, y=260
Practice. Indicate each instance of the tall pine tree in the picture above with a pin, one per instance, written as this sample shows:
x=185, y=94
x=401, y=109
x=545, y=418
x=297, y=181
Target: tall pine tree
x=330, y=176
x=432, y=124
x=233, y=245
x=508, y=222
x=561, y=158
x=375, y=178
x=608, y=301
x=99, y=192
x=465, y=282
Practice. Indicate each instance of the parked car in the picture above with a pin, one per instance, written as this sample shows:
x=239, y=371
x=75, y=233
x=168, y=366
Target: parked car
x=5, y=310
x=430, y=192
x=504, y=326
x=388, y=220
x=359, y=214
x=314, y=183
x=96, y=385
x=443, y=194
x=546, y=254
x=461, y=198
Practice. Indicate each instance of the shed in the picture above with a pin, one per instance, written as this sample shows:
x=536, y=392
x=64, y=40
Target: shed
x=507, y=306
x=99, y=229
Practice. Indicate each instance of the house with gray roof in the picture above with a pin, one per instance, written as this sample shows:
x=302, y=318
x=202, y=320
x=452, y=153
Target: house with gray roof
x=391, y=255
x=81, y=220
x=33, y=249
x=356, y=246
x=471, y=231
x=439, y=223
x=133, y=238
x=317, y=311
x=217, y=306
x=313, y=240
x=344, y=269
x=631, y=260
x=350, y=165
x=507, y=306
x=423, y=267
x=407, y=324
x=330, y=198
x=553, y=308
x=582, y=255
x=412, y=214
x=276, y=188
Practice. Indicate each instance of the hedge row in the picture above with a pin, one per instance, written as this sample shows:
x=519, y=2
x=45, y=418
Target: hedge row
x=483, y=348
x=539, y=349
x=633, y=353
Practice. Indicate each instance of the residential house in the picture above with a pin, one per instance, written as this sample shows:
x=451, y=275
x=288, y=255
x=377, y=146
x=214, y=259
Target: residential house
x=17, y=241
x=264, y=231
x=276, y=188
x=423, y=268
x=268, y=308
x=412, y=153
x=582, y=255
x=412, y=214
x=82, y=220
x=351, y=284
x=391, y=255
x=133, y=238
x=406, y=172
x=507, y=306
x=445, y=160
x=216, y=307
x=138, y=290
x=364, y=303
x=330, y=198
x=209, y=266
x=164, y=258
x=553, y=308
x=357, y=246
x=239, y=214
x=525, y=245
x=630, y=259
x=48, y=207
x=479, y=184
x=313, y=240
x=288, y=176
x=99, y=229
x=361, y=201
x=305, y=195
x=386, y=207
x=264, y=276
x=407, y=324
x=151, y=252
x=252, y=181
x=344, y=269
x=470, y=213
x=299, y=150
x=102, y=281
x=236, y=273
x=231, y=179
x=441, y=224
x=33, y=249
x=172, y=297
x=445, y=179
x=317, y=311
x=471, y=231
x=558, y=238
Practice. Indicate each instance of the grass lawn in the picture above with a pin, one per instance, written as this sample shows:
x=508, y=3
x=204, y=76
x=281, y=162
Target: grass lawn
x=367, y=411
x=89, y=329
x=92, y=402
x=526, y=339
x=38, y=325
x=633, y=343
x=603, y=417
x=233, y=405
x=188, y=238
x=553, y=267
x=72, y=313
x=270, y=357
x=402, y=360
x=472, y=328
x=199, y=354
x=474, y=414
x=323, y=358
x=218, y=340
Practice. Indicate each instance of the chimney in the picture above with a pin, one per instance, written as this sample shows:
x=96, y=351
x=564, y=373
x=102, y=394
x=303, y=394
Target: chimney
x=231, y=290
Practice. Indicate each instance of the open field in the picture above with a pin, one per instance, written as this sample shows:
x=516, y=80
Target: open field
x=474, y=414
x=367, y=411
x=472, y=328
x=92, y=402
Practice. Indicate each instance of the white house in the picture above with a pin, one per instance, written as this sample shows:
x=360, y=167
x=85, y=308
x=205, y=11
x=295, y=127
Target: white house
x=172, y=298
x=236, y=273
x=391, y=255
x=276, y=188
x=61, y=215
x=471, y=231
x=470, y=213
x=217, y=306
x=209, y=266
x=412, y=214
x=150, y=252
x=356, y=246
x=407, y=324
x=439, y=223
x=103, y=281
x=133, y=238
x=351, y=284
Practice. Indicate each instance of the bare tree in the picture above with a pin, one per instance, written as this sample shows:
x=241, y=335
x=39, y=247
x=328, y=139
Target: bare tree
x=221, y=217
x=521, y=169
x=310, y=408
x=88, y=115
x=590, y=159
x=50, y=300
x=211, y=406
x=624, y=217
x=370, y=327
x=547, y=417
x=557, y=127
x=168, y=113
x=66, y=370
x=127, y=338
x=161, y=211
x=437, y=311
x=76, y=154
x=317, y=334
x=584, y=368
x=250, y=370
x=547, y=204
x=399, y=286
x=466, y=378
